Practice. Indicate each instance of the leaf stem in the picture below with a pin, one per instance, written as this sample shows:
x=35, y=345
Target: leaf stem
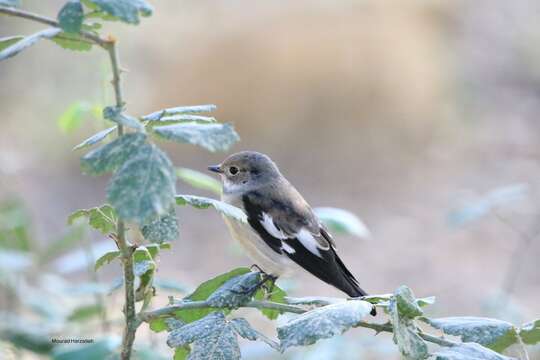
x=49, y=21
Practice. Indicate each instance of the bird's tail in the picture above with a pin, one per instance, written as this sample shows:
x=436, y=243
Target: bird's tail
x=350, y=285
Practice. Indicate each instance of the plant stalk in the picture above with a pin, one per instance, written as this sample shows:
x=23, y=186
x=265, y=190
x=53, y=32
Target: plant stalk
x=131, y=322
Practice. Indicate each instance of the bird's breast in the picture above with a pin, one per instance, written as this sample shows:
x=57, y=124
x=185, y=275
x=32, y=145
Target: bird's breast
x=254, y=246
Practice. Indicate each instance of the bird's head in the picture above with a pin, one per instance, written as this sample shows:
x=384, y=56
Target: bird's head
x=245, y=171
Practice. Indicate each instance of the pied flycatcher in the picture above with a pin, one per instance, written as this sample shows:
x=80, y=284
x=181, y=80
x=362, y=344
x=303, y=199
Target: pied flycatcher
x=283, y=232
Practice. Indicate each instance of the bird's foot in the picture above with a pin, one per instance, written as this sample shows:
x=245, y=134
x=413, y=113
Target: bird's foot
x=256, y=267
x=261, y=284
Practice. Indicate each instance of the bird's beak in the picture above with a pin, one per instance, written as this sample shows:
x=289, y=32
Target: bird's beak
x=216, y=169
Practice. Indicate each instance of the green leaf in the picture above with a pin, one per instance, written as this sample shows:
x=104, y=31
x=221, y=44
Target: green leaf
x=72, y=41
x=102, y=218
x=204, y=291
x=244, y=329
x=127, y=11
x=142, y=255
x=342, y=221
x=144, y=268
x=15, y=224
x=28, y=41
x=428, y=300
x=204, y=203
x=199, y=180
x=212, y=137
x=212, y=337
x=276, y=295
x=162, y=229
x=470, y=351
x=101, y=349
x=322, y=323
x=154, y=249
x=143, y=188
x=10, y=3
x=494, y=334
x=94, y=139
x=201, y=328
x=74, y=116
x=181, y=353
x=221, y=344
x=530, y=332
x=405, y=301
x=83, y=313
x=180, y=110
x=162, y=324
x=106, y=258
x=71, y=16
x=109, y=157
x=234, y=293
x=157, y=325
x=403, y=310
x=116, y=115
x=8, y=41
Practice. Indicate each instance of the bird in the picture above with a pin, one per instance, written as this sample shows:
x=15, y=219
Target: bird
x=282, y=232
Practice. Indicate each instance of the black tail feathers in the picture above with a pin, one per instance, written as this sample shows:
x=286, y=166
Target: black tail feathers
x=350, y=285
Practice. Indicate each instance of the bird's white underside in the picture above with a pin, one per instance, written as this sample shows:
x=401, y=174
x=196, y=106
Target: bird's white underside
x=259, y=252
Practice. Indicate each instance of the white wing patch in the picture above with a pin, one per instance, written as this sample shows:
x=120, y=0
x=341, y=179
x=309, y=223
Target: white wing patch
x=308, y=241
x=268, y=225
x=304, y=236
x=286, y=247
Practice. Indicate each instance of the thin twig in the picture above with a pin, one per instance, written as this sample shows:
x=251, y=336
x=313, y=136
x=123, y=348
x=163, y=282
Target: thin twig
x=104, y=43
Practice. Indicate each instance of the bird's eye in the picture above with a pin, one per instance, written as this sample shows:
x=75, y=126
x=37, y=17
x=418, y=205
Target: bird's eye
x=233, y=170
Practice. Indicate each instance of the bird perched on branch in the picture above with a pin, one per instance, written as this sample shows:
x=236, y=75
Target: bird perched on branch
x=283, y=232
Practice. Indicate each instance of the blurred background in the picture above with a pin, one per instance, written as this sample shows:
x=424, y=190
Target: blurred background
x=418, y=116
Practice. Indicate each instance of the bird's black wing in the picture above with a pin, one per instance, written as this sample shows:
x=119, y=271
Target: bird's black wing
x=294, y=231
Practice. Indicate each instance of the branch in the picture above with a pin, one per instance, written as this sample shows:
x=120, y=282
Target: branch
x=171, y=309
x=104, y=43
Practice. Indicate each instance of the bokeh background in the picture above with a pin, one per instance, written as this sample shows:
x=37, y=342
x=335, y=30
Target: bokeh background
x=414, y=115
